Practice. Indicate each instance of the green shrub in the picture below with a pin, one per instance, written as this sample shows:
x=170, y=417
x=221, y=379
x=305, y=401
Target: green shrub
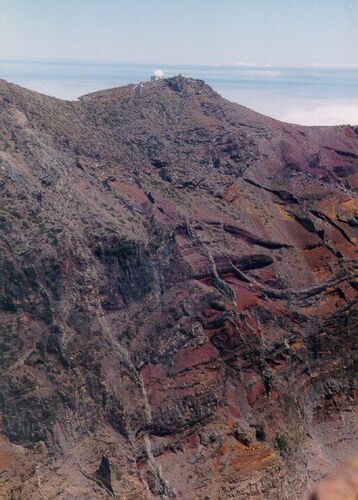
x=283, y=442
x=124, y=251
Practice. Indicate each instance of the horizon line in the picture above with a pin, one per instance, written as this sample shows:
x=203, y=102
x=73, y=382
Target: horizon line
x=204, y=65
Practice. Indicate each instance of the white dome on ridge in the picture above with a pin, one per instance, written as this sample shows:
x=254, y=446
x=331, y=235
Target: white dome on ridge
x=158, y=73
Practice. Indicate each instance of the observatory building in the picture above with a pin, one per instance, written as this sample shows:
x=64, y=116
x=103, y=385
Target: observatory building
x=158, y=74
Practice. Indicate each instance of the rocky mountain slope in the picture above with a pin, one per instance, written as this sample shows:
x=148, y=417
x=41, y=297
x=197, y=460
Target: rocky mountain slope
x=178, y=296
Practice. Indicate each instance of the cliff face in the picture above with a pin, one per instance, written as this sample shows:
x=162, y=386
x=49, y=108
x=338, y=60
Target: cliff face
x=178, y=296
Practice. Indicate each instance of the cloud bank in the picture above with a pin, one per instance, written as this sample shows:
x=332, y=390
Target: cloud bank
x=327, y=114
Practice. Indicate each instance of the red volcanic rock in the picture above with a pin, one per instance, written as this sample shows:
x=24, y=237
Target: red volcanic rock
x=255, y=392
x=178, y=296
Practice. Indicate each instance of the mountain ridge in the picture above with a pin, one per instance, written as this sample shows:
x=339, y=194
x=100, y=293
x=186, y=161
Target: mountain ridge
x=177, y=296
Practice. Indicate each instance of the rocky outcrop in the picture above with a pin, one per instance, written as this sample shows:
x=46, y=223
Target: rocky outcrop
x=178, y=296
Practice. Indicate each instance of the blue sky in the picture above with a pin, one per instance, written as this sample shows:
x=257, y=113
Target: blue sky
x=258, y=32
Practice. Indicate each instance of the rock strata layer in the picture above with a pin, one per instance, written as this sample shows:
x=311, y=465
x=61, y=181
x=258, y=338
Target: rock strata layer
x=178, y=296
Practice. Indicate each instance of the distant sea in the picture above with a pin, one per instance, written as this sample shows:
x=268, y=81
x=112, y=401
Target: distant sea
x=308, y=96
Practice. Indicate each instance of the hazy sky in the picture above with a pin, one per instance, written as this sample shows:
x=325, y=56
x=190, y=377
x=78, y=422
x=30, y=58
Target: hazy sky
x=278, y=32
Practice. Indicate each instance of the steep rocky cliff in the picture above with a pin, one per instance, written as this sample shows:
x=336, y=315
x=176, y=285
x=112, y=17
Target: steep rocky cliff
x=178, y=296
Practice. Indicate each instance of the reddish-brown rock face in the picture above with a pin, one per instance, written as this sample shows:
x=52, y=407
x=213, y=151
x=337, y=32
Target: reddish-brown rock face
x=178, y=296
